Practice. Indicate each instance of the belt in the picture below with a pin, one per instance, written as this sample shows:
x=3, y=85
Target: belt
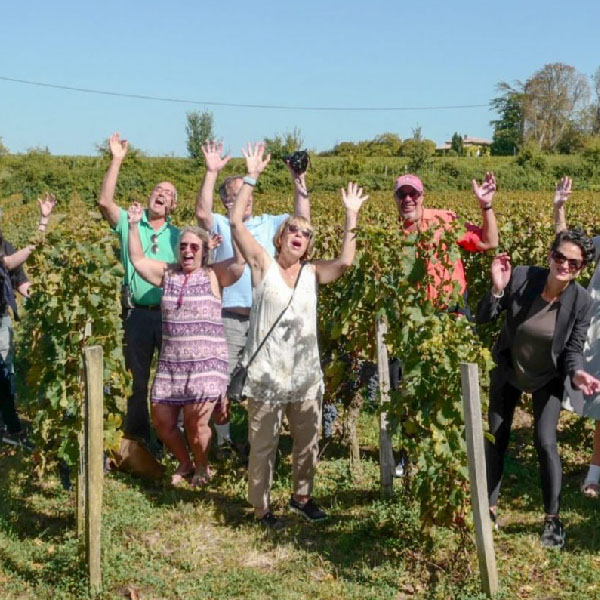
x=147, y=307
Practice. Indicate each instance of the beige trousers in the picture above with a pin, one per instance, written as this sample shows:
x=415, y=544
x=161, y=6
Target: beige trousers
x=264, y=424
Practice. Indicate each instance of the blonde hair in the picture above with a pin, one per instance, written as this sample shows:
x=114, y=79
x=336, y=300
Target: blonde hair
x=303, y=224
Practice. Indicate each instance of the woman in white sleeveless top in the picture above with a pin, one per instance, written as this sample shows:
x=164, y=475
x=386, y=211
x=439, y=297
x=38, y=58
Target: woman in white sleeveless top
x=285, y=377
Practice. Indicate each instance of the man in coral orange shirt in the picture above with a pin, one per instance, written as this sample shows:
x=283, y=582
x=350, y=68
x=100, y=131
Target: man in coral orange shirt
x=410, y=195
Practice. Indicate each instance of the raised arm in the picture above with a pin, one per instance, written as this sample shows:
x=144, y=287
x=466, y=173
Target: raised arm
x=301, y=194
x=153, y=271
x=215, y=161
x=561, y=195
x=485, y=195
x=106, y=201
x=16, y=259
x=252, y=251
x=329, y=270
x=495, y=301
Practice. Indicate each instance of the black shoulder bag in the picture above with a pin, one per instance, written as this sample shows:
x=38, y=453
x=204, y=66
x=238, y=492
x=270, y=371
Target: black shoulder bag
x=238, y=377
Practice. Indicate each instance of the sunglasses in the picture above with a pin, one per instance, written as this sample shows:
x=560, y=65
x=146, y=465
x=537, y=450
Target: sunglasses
x=154, y=240
x=306, y=233
x=165, y=191
x=193, y=246
x=574, y=263
x=414, y=194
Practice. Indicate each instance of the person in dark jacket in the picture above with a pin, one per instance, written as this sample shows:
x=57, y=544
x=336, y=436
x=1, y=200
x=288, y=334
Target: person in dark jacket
x=539, y=351
x=12, y=277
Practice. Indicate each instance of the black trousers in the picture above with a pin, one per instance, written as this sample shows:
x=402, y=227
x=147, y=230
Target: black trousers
x=143, y=335
x=7, y=399
x=546, y=410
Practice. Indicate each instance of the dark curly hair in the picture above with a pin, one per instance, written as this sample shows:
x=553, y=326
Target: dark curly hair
x=577, y=237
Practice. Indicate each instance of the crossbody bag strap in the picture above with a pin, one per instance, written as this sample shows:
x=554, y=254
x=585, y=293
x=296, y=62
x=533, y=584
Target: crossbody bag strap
x=278, y=318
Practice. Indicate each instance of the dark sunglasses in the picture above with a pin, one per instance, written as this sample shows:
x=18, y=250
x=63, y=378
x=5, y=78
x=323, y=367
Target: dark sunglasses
x=574, y=263
x=307, y=233
x=154, y=239
x=414, y=194
x=194, y=247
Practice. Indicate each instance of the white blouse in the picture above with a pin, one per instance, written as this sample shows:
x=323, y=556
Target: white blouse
x=287, y=367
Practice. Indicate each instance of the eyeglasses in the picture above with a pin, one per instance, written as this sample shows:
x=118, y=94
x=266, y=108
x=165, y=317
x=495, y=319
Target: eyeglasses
x=193, y=246
x=574, y=263
x=154, y=240
x=306, y=233
x=165, y=191
x=414, y=194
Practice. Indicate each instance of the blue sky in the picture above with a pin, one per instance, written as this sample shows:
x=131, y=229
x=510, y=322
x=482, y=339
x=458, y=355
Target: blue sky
x=328, y=53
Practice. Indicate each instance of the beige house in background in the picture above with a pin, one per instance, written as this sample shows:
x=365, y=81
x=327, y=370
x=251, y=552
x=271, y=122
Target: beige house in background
x=473, y=146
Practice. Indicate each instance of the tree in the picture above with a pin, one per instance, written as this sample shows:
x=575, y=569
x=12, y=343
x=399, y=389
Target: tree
x=199, y=128
x=418, y=150
x=284, y=144
x=457, y=144
x=3, y=148
x=385, y=144
x=595, y=108
x=508, y=129
x=553, y=99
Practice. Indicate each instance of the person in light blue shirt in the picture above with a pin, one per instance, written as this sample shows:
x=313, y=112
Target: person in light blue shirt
x=237, y=299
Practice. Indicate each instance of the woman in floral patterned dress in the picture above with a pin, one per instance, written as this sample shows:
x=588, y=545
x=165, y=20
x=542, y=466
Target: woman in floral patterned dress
x=192, y=366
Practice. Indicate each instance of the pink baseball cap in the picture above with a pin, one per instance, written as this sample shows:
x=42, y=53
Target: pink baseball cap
x=411, y=180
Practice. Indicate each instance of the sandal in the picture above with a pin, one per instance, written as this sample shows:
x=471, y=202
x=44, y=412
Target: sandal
x=590, y=489
x=201, y=477
x=179, y=478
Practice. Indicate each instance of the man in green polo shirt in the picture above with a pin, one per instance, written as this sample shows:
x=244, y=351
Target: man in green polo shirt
x=142, y=321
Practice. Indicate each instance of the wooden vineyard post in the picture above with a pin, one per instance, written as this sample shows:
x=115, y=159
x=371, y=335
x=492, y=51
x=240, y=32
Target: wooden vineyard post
x=386, y=454
x=94, y=462
x=80, y=489
x=477, y=476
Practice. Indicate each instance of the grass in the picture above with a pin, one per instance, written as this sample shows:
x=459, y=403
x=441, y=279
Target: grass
x=161, y=542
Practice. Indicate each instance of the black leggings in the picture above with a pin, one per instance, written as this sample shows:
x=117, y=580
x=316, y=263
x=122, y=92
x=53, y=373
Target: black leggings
x=546, y=410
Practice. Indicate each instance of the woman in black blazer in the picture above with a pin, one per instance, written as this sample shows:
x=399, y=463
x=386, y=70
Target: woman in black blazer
x=539, y=351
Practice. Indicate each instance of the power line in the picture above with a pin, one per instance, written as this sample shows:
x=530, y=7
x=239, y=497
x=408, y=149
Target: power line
x=237, y=105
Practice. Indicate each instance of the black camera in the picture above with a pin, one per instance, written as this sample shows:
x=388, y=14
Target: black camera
x=298, y=161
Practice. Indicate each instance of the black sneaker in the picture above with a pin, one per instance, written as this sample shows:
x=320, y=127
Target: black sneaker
x=494, y=520
x=270, y=521
x=224, y=451
x=309, y=510
x=553, y=535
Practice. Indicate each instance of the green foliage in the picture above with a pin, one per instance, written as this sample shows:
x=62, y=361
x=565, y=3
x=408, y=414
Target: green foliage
x=508, y=129
x=3, y=148
x=199, y=128
x=81, y=281
x=282, y=145
x=390, y=280
x=457, y=144
x=530, y=156
x=591, y=154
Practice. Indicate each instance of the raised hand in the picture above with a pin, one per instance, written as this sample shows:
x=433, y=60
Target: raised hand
x=118, y=147
x=485, y=192
x=299, y=180
x=585, y=382
x=255, y=162
x=501, y=270
x=353, y=197
x=213, y=155
x=46, y=205
x=563, y=191
x=134, y=213
x=214, y=241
